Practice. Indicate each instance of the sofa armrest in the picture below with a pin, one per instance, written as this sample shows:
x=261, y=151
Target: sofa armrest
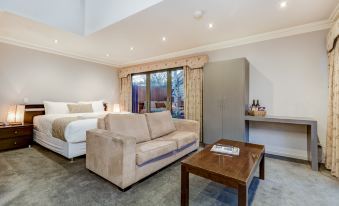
x=111, y=156
x=187, y=125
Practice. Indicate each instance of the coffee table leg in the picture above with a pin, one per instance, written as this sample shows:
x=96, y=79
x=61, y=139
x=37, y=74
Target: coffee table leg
x=242, y=195
x=262, y=168
x=184, y=186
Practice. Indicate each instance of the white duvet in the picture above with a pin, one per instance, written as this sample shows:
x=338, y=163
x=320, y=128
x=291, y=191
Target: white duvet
x=75, y=131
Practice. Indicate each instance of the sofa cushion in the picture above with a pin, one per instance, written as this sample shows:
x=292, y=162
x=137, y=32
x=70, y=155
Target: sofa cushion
x=153, y=150
x=160, y=123
x=181, y=138
x=132, y=125
x=101, y=123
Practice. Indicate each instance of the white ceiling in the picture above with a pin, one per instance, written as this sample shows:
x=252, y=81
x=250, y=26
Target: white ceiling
x=82, y=17
x=235, y=22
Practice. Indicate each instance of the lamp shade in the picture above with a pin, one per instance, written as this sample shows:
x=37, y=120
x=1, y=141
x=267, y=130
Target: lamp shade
x=16, y=114
x=116, y=108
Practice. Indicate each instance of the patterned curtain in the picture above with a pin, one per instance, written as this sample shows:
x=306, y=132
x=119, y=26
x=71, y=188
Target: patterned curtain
x=193, y=94
x=126, y=94
x=332, y=141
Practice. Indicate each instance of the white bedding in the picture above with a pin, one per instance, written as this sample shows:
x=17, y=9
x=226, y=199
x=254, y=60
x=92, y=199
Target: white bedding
x=75, y=132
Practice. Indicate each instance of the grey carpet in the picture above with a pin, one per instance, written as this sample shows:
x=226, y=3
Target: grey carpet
x=38, y=176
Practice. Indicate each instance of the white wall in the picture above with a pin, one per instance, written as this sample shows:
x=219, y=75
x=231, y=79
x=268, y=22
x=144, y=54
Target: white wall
x=38, y=76
x=289, y=77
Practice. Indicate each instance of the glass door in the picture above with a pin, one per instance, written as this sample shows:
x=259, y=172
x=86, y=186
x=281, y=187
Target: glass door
x=158, y=92
x=177, y=93
x=139, y=93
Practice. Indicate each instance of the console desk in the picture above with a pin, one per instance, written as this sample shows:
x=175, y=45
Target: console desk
x=312, y=134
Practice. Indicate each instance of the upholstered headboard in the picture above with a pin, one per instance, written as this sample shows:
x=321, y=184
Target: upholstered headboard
x=32, y=110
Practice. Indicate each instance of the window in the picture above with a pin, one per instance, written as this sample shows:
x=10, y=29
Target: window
x=159, y=91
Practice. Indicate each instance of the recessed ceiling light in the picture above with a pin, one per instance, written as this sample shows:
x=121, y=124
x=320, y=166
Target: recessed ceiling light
x=164, y=38
x=107, y=55
x=210, y=25
x=56, y=41
x=283, y=4
x=198, y=14
x=132, y=48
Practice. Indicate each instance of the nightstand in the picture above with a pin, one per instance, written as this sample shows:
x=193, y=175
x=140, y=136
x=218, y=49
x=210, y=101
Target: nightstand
x=16, y=136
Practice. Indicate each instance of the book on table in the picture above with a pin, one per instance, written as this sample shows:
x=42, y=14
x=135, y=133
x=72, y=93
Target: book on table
x=225, y=149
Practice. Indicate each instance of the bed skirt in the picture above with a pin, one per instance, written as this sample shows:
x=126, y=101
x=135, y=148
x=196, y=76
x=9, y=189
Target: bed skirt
x=66, y=149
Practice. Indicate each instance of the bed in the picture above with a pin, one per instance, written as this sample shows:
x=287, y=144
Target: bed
x=71, y=142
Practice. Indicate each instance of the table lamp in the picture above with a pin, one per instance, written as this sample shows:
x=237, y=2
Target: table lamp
x=116, y=108
x=16, y=114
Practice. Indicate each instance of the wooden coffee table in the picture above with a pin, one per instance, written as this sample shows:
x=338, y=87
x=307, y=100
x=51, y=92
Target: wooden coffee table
x=232, y=171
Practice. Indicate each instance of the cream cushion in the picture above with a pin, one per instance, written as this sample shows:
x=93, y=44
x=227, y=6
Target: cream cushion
x=181, y=138
x=80, y=108
x=97, y=106
x=132, y=125
x=101, y=123
x=152, y=150
x=160, y=123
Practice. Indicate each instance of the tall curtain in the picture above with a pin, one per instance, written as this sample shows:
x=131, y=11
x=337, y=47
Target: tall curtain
x=332, y=140
x=126, y=94
x=193, y=94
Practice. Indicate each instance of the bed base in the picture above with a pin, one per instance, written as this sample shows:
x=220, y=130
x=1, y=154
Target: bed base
x=66, y=149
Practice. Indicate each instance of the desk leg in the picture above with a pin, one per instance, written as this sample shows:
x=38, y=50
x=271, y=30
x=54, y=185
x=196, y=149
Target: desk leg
x=247, y=131
x=313, y=145
x=242, y=195
x=262, y=168
x=184, y=186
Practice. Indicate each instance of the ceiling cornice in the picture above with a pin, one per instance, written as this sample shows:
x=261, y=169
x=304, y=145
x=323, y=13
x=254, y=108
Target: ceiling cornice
x=315, y=26
x=301, y=29
x=54, y=51
x=335, y=14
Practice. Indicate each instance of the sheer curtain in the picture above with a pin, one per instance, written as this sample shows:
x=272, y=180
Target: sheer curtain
x=332, y=140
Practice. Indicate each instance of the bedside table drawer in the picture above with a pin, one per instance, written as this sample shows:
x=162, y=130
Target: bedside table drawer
x=16, y=132
x=15, y=142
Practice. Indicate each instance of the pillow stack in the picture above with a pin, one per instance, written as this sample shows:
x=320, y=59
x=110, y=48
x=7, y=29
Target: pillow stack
x=70, y=107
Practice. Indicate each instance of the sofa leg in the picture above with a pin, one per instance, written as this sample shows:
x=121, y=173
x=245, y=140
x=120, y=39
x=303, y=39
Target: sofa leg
x=126, y=189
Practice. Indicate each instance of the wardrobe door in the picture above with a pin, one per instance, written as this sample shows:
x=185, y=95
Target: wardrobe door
x=233, y=101
x=224, y=100
x=212, y=102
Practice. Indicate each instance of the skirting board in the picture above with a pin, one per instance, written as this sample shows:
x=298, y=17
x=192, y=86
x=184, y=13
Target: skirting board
x=286, y=152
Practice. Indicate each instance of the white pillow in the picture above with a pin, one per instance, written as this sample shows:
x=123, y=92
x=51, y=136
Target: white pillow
x=56, y=107
x=98, y=106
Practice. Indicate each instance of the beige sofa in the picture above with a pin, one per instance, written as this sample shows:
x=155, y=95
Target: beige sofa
x=129, y=147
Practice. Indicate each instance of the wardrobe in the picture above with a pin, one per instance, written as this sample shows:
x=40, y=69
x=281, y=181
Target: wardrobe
x=225, y=100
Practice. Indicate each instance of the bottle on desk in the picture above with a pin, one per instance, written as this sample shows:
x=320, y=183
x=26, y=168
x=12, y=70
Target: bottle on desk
x=257, y=104
x=253, y=106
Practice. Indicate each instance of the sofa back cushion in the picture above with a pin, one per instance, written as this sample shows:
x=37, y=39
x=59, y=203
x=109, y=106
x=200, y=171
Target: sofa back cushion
x=160, y=123
x=101, y=123
x=132, y=125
